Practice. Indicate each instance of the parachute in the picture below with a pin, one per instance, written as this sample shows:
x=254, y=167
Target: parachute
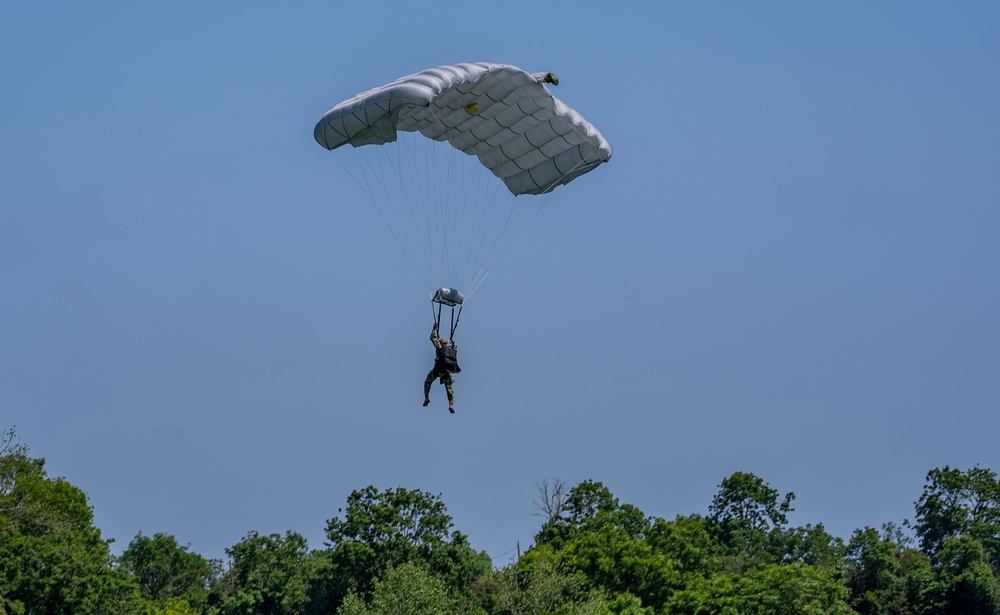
x=449, y=221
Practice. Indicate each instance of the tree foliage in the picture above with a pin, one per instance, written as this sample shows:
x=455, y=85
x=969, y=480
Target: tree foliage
x=166, y=570
x=956, y=503
x=268, y=574
x=52, y=557
x=396, y=551
x=381, y=530
x=773, y=589
x=745, y=501
x=408, y=589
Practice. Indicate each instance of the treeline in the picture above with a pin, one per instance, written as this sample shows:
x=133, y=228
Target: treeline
x=395, y=551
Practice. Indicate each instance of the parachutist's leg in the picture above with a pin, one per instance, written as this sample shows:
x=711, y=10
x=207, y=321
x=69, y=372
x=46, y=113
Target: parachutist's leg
x=427, y=387
x=448, y=381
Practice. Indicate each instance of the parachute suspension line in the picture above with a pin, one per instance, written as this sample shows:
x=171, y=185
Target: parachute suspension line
x=478, y=210
x=478, y=283
x=389, y=158
x=503, y=235
x=416, y=186
x=510, y=240
x=366, y=188
x=436, y=208
x=449, y=211
x=507, y=235
x=454, y=250
x=434, y=182
x=430, y=197
x=487, y=191
x=464, y=232
x=485, y=222
x=421, y=176
x=479, y=216
x=417, y=202
x=461, y=238
x=387, y=207
x=484, y=233
x=399, y=208
x=548, y=196
x=464, y=244
x=451, y=243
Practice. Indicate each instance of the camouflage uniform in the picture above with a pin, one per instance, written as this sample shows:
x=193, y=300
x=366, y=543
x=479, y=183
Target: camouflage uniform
x=438, y=371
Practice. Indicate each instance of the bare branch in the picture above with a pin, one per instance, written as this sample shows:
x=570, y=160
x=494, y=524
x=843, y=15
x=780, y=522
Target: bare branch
x=551, y=498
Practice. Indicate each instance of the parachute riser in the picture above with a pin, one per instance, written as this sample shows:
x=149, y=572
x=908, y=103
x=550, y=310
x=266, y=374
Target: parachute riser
x=454, y=320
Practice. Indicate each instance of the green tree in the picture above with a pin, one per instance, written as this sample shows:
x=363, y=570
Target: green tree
x=408, y=589
x=538, y=585
x=165, y=569
x=52, y=557
x=381, y=530
x=956, y=503
x=810, y=544
x=772, y=589
x=925, y=590
x=685, y=540
x=268, y=575
x=178, y=606
x=612, y=545
x=971, y=586
x=533, y=584
x=615, y=563
x=747, y=518
x=745, y=501
x=589, y=507
x=875, y=572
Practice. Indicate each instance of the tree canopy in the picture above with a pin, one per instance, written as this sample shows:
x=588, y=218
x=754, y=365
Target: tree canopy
x=396, y=550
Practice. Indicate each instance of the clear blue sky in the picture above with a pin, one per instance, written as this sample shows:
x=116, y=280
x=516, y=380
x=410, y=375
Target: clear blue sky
x=790, y=267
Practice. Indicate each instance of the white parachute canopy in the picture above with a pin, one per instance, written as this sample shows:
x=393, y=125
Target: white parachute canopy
x=448, y=219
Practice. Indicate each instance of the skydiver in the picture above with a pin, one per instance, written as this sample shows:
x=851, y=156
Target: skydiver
x=445, y=364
